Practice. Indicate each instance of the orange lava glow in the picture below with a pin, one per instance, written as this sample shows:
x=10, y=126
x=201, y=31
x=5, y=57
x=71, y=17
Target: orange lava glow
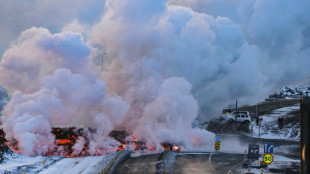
x=64, y=141
x=175, y=148
x=134, y=139
x=66, y=138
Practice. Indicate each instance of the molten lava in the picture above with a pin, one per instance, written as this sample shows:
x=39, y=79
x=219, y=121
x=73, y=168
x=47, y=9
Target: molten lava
x=66, y=138
x=64, y=142
x=175, y=148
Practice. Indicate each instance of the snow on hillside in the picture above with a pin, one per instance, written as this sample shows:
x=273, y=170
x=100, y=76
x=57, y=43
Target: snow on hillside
x=270, y=128
x=290, y=92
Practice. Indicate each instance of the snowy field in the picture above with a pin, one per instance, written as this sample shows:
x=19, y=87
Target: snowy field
x=16, y=163
x=270, y=128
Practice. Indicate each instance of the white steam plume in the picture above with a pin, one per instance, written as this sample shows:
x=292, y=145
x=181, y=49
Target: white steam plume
x=57, y=87
x=156, y=54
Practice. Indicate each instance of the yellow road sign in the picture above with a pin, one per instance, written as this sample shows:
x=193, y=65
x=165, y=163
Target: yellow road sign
x=217, y=145
x=268, y=158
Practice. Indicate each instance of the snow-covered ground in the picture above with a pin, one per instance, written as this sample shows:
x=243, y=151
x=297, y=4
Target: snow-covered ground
x=16, y=163
x=270, y=128
x=279, y=162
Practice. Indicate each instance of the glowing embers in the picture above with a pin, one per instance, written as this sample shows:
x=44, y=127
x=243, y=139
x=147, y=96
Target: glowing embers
x=176, y=148
x=64, y=142
x=66, y=138
x=132, y=143
x=170, y=147
x=128, y=142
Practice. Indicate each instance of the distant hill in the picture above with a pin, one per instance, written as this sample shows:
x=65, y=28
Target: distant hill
x=290, y=92
x=3, y=97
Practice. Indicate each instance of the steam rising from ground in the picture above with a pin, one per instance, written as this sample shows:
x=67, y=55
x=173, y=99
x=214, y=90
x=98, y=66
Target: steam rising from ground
x=164, y=63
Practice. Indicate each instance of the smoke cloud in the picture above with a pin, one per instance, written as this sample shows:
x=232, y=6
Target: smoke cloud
x=164, y=64
x=55, y=87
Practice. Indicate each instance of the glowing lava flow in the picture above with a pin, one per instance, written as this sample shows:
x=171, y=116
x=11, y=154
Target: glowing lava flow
x=66, y=138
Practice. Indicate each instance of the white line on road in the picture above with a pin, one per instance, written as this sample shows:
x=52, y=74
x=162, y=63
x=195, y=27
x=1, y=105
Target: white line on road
x=210, y=163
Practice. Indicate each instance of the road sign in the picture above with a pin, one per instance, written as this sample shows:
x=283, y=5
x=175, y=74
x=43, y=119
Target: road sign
x=217, y=145
x=253, y=152
x=268, y=147
x=268, y=158
x=218, y=139
x=283, y=163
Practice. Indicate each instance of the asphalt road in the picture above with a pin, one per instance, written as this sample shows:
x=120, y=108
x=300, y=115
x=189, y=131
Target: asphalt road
x=186, y=163
x=231, y=154
x=208, y=163
x=145, y=164
x=265, y=107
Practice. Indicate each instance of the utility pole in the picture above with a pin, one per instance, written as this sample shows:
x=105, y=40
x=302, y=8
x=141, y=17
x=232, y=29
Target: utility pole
x=258, y=121
x=236, y=110
x=236, y=105
x=256, y=112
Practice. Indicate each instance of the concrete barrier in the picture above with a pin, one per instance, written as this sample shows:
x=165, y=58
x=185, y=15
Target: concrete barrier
x=116, y=160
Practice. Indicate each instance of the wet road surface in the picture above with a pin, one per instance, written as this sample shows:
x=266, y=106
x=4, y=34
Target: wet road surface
x=145, y=164
x=206, y=163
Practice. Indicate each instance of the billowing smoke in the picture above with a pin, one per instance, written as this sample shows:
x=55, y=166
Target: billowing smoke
x=55, y=86
x=164, y=63
x=274, y=52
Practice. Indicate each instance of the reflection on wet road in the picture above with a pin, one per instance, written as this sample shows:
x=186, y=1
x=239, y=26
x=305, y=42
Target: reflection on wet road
x=202, y=163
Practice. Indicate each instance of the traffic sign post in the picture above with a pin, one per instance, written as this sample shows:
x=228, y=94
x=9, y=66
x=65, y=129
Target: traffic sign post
x=268, y=147
x=268, y=158
x=217, y=145
x=253, y=152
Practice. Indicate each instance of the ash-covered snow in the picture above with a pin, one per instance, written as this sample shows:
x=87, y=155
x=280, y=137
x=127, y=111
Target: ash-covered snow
x=270, y=128
x=17, y=163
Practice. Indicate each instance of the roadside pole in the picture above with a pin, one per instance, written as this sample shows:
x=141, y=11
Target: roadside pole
x=259, y=122
x=256, y=112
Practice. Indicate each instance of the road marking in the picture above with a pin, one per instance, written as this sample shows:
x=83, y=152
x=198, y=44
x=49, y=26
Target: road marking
x=210, y=163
